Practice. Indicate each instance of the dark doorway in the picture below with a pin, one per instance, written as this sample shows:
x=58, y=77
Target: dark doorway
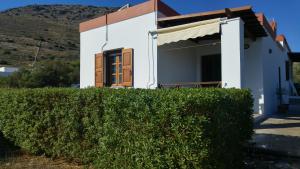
x=211, y=68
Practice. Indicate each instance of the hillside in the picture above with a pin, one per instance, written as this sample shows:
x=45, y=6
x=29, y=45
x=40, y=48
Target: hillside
x=53, y=27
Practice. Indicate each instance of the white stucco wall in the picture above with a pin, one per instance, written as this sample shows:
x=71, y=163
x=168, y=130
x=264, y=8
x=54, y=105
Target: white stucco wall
x=261, y=74
x=183, y=65
x=176, y=65
x=232, y=40
x=254, y=73
x=131, y=33
x=255, y=68
x=271, y=62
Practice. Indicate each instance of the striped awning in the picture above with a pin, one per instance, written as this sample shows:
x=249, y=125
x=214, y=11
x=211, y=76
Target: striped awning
x=188, y=31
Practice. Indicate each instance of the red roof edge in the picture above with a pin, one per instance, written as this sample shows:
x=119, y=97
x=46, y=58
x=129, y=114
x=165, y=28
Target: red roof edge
x=166, y=9
x=264, y=22
x=128, y=13
x=271, y=27
x=282, y=38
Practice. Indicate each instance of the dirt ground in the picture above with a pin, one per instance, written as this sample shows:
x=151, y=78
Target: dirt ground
x=18, y=160
x=12, y=158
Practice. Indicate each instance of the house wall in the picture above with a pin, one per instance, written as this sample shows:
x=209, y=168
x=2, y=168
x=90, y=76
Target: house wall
x=177, y=65
x=255, y=68
x=232, y=39
x=181, y=61
x=131, y=33
x=254, y=73
x=262, y=60
x=273, y=57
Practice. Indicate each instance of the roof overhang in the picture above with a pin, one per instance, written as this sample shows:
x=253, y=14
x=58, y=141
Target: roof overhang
x=253, y=26
x=294, y=56
x=128, y=13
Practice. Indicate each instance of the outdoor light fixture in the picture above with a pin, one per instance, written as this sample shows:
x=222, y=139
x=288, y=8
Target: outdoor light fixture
x=270, y=51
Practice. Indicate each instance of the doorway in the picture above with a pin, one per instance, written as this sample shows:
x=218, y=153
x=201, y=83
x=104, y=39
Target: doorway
x=211, y=68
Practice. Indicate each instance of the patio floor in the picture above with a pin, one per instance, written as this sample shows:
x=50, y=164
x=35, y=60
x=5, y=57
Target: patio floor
x=279, y=134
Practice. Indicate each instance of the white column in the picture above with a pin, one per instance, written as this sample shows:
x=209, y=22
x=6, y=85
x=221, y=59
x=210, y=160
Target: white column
x=232, y=40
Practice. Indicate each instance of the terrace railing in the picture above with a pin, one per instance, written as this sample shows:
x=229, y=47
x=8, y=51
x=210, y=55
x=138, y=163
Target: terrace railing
x=216, y=84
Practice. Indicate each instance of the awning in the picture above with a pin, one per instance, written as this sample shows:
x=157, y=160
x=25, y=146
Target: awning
x=188, y=31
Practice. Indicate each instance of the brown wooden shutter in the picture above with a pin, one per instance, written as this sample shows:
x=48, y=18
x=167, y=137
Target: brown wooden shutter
x=99, y=70
x=127, y=62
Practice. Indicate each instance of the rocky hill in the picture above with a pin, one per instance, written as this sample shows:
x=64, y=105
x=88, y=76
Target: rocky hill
x=48, y=31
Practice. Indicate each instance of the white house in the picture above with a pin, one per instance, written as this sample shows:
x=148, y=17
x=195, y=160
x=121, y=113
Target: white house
x=150, y=45
x=7, y=71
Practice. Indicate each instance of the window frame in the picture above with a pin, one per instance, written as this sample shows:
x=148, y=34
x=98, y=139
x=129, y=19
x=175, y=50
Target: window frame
x=117, y=62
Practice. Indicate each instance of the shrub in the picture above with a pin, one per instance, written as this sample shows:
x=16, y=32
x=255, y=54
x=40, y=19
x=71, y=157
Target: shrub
x=7, y=52
x=3, y=62
x=131, y=128
x=50, y=74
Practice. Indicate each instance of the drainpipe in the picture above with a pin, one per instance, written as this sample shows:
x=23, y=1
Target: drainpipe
x=149, y=85
x=153, y=62
x=148, y=53
x=106, y=34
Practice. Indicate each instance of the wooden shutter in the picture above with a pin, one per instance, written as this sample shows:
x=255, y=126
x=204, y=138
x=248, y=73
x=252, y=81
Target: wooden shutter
x=127, y=62
x=99, y=70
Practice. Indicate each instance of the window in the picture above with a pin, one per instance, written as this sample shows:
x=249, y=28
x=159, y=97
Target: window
x=114, y=68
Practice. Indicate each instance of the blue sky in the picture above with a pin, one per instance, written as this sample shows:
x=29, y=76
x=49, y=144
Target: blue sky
x=285, y=12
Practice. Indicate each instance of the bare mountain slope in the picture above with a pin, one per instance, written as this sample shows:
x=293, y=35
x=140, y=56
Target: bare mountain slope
x=53, y=27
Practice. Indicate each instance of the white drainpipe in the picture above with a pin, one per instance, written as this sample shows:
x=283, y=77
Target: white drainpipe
x=106, y=35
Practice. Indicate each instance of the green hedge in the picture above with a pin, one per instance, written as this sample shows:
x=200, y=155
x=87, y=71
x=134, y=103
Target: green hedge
x=131, y=128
